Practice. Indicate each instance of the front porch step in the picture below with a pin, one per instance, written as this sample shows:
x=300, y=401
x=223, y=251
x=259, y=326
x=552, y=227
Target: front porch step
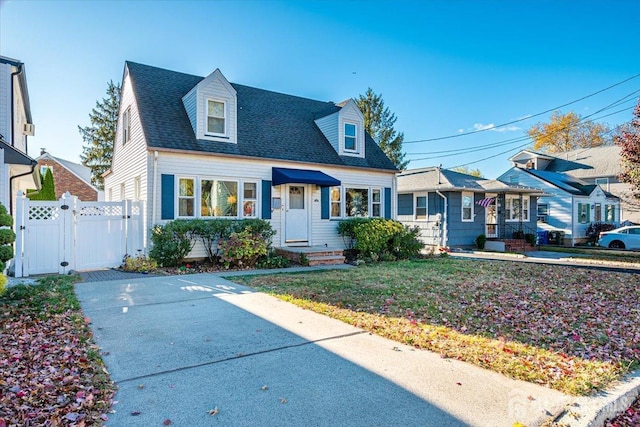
x=518, y=246
x=314, y=256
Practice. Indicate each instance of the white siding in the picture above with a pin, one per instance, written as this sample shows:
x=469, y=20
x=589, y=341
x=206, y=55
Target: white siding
x=328, y=125
x=351, y=114
x=5, y=101
x=132, y=159
x=216, y=87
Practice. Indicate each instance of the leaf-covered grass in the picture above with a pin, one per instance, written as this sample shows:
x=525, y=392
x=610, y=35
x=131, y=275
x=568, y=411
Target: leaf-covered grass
x=50, y=370
x=572, y=329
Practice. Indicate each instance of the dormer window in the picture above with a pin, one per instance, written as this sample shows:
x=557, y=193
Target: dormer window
x=216, y=117
x=350, y=137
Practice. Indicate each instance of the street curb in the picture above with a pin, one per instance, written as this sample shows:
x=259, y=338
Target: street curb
x=593, y=411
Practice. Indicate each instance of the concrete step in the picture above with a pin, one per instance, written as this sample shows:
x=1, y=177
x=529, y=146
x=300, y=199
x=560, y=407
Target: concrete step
x=325, y=260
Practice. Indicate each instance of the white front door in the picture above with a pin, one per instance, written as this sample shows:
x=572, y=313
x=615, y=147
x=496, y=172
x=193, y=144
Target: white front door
x=296, y=215
x=491, y=218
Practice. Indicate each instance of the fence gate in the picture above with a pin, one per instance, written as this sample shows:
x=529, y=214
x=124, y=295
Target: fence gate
x=68, y=234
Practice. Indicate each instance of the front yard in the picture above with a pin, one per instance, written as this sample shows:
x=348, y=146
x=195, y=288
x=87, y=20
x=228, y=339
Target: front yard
x=572, y=329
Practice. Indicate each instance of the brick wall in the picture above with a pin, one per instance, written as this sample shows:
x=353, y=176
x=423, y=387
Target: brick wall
x=65, y=180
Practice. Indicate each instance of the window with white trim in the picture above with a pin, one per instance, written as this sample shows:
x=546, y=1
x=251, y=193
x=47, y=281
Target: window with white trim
x=517, y=208
x=43, y=170
x=376, y=203
x=610, y=213
x=136, y=188
x=356, y=202
x=126, y=125
x=335, y=194
x=186, y=197
x=543, y=212
x=603, y=183
x=216, y=118
x=597, y=212
x=421, y=208
x=249, y=199
x=467, y=206
x=350, y=137
x=584, y=213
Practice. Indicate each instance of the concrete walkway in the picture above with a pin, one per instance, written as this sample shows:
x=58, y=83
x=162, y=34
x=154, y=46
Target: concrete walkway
x=179, y=347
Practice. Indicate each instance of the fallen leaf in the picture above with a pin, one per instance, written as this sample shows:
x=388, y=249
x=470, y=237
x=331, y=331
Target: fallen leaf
x=167, y=422
x=135, y=413
x=213, y=411
x=283, y=400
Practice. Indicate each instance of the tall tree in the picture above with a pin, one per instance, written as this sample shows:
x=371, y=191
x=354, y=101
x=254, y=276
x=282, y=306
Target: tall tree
x=379, y=122
x=629, y=142
x=565, y=132
x=465, y=169
x=100, y=135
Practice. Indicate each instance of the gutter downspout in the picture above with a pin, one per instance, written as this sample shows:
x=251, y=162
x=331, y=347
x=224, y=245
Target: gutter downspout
x=445, y=237
x=33, y=167
x=155, y=193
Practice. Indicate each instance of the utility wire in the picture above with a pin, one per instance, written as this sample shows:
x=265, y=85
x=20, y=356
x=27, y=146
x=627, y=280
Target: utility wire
x=523, y=118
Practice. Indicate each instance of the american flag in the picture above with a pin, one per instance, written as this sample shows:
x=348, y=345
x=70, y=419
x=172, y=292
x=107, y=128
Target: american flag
x=485, y=202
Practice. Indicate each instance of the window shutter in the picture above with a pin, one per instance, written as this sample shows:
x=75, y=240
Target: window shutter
x=266, y=199
x=167, y=197
x=387, y=203
x=405, y=204
x=588, y=206
x=324, y=202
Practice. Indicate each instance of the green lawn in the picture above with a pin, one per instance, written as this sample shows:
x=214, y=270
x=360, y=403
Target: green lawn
x=572, y=329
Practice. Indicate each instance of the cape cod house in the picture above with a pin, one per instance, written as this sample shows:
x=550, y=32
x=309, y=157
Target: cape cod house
x=452, y=209
x=17, y=170
x=570, y=204
x=202, y=147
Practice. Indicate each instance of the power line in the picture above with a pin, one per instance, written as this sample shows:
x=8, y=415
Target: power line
x=523, y=118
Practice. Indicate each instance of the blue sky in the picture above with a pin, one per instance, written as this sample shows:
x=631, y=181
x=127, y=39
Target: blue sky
x=441, y=66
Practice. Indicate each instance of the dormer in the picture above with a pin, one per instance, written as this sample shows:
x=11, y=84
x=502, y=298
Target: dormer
x=344, y=129
x=212, y=109
x=530, y=160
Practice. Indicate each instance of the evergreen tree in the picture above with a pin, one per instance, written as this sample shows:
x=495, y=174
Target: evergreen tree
x=379, y=122
x=629, y=142
x=100, y=135
x=47, y=188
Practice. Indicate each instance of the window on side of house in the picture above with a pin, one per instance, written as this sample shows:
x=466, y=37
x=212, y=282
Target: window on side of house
x=603, y=183
x=376, y=203
x=610, y=213
x=249, y=199
x=356, y=202
x=43, y=170
x=543, y=212
x=186, y=197
x=216, y=118
x=584, y=213
x=350, y=137
x=136, y=188
x=123, y=193
x=467, y=206
x=421, y=208
x=126, y=125
x=336, y=202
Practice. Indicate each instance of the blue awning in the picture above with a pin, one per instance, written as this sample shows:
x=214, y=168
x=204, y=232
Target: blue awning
x=302, y=176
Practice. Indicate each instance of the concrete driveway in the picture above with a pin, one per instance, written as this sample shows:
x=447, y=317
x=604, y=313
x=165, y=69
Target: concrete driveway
x=181, y=346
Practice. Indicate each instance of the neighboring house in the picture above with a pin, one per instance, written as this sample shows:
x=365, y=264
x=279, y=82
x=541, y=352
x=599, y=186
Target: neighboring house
x=194, y=147
x=452, y=209
x=597, y=165
x=570, y=204
x=17, y=170
x=69, y=177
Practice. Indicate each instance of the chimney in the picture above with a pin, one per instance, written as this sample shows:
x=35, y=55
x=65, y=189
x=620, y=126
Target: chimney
x=43, y=151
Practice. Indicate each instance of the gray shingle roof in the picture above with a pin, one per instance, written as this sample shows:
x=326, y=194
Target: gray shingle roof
x=593, y=162
x=270, y=125
x=81, y=171
x=566, y=182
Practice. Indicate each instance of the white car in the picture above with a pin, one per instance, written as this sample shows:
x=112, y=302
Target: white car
x=621, y=238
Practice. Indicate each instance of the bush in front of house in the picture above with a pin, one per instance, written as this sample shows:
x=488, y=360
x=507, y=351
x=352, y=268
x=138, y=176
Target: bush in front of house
x=7, y=237
x=595, y=228
x=242, y=249
x=481, y=241
x=172, y=242
x=380, y=239
x=259, y=227
x=210, y=232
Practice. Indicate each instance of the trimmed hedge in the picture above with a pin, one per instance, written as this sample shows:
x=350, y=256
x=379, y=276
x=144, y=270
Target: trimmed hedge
x=380, y=239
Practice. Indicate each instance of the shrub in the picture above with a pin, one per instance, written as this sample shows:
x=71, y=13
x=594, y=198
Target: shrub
x=171, y=242
x=595, y=228
x=381, y=239
x=530, y=238
x=139, y=263
x=273, y=261
x=481, y=240
x=210, y=232
x=257, y=226
x=3, y=284
x=242, y=249
x=346, y=229
x=7, y=237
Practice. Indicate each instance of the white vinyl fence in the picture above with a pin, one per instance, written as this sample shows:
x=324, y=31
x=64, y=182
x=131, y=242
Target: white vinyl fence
x=68, y=234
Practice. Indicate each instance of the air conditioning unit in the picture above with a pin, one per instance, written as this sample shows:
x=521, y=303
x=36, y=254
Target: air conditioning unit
x=29, y=129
